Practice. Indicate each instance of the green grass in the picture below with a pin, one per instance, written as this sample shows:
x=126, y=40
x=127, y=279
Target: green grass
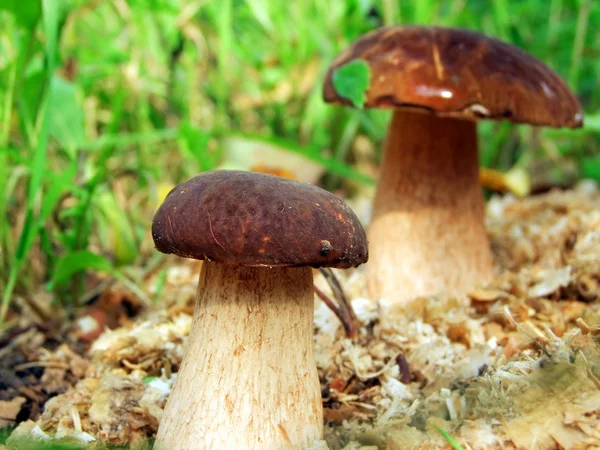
x=61, y=444
x=453, y=443
x=101, y=102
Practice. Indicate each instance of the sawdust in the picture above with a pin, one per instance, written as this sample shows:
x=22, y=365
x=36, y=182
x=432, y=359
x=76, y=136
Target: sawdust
x=514, y=364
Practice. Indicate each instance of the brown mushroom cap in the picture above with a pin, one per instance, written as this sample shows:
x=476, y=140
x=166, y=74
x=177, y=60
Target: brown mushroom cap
x=458, y=73
x=252, y=219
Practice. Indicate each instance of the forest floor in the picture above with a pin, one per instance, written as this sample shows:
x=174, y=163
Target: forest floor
x=514, y=364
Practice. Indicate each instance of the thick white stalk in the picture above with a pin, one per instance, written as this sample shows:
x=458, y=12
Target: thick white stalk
x=248, y=378
x=428, y=234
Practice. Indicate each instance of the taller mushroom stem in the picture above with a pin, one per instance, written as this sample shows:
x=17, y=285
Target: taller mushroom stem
x=427, y=234
x=248, y=379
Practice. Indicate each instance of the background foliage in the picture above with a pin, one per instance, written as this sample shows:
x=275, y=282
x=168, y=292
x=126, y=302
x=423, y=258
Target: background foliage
x=103, y=103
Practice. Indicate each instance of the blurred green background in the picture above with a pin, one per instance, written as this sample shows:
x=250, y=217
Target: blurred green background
x=106, y=103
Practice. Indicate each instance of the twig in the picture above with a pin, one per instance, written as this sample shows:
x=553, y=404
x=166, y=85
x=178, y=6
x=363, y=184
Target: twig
x=16, y=342
x=347, y=315
x=348, y=326
x=48, y=364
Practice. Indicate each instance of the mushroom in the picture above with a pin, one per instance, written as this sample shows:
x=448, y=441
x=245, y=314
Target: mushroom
x=427, y=233
x=248, y=379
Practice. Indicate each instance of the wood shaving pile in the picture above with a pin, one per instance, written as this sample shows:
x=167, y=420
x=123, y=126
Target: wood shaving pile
x=515, y=364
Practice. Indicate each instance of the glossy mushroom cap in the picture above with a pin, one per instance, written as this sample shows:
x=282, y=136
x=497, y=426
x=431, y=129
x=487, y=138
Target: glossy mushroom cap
x=251, y=219
x=453, y=72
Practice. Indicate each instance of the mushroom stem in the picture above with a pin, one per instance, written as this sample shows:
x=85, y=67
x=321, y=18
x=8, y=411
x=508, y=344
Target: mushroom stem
x=427, y=234
x=248, y=379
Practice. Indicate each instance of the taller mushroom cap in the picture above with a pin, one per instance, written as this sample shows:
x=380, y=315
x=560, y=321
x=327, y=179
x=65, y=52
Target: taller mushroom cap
x=248, y=378
x=458, y=73
x=427, y=233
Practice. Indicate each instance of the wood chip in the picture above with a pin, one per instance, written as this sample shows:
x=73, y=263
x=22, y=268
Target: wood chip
x=10, y=409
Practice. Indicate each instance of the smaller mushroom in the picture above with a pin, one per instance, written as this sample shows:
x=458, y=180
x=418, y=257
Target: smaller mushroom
x=248, y=379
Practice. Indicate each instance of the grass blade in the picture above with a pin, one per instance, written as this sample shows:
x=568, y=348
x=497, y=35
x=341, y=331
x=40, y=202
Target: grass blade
x=455, y=445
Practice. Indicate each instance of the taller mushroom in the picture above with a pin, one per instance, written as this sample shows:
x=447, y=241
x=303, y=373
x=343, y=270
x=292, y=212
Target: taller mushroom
x=427, y=233
x=248, y=379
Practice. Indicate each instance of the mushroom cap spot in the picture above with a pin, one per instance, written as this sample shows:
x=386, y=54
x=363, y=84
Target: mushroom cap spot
x=459, y=73
x=252, y=219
